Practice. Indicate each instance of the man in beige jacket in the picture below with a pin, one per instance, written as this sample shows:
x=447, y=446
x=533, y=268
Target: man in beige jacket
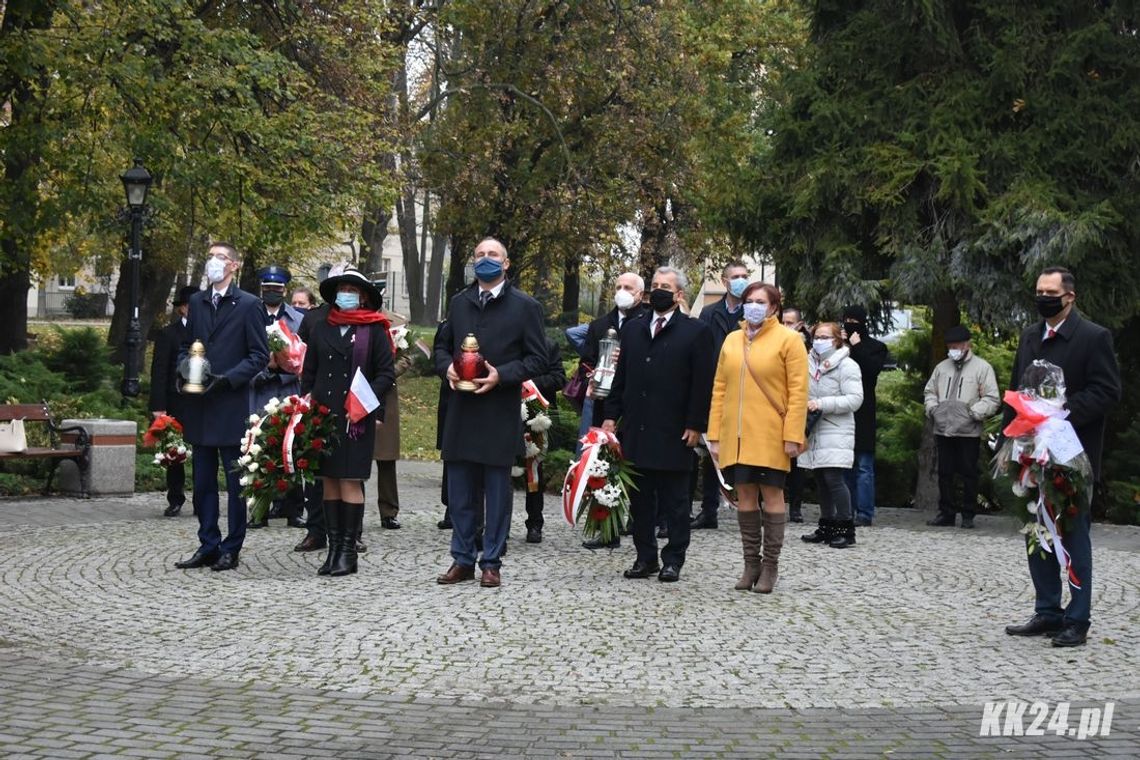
x=959, y=396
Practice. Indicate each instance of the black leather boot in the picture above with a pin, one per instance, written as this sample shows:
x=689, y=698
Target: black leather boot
x=844, y=534
x=334, y=531
x=822, y=533
x=345, y=562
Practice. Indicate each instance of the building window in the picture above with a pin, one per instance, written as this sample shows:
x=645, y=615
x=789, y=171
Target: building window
x=66, y=281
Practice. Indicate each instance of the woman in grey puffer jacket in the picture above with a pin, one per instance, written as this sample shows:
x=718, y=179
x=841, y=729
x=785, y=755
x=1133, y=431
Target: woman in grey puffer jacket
x=835, y=388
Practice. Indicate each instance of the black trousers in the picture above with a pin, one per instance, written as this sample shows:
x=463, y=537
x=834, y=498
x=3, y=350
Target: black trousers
x=957, y=457
x=534, y=502
x=176, y=484
x=313, y=494
x=661, y=496
x=794, y=488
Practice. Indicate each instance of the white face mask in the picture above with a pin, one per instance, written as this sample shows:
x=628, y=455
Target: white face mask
x=623, y=299
x=823, y=347
x=956, y=354
x=215, y=270
x=755, y=313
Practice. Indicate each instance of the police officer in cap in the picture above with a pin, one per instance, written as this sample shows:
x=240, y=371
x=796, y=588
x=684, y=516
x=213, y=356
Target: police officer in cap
x=275, y=381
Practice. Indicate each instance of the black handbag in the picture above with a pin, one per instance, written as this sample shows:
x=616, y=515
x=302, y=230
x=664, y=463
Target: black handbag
x=813, y=418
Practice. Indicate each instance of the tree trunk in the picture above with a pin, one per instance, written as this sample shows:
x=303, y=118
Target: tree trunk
x=155, y=282
x=571, y=290
x=456, y=274
x=946, y=315
x=435, y=274
x=409, y=246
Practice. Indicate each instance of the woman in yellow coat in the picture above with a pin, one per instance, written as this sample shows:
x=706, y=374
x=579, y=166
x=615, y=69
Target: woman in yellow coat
x=756, y=426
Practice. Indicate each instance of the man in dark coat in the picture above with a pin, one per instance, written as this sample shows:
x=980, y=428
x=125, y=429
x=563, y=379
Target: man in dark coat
x=164, y=398
x=871, y=355
x=482, y=435
x=274, y=382
x=548, y=383
x=722, y=317
x=230, y=324
x=793, y=319
x=661, y=396
x=1083, y=351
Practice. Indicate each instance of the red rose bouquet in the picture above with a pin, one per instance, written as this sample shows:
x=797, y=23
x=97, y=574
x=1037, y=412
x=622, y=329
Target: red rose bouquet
x=1044, y=459
x=596, y=488
x=282, y=448
x=165, y=434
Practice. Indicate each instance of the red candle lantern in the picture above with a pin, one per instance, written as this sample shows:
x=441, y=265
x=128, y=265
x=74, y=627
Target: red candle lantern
x=469, y=364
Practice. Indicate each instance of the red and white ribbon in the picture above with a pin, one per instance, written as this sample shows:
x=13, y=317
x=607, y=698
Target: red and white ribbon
x=574, y=486
x=530, y=391
x=300, y=406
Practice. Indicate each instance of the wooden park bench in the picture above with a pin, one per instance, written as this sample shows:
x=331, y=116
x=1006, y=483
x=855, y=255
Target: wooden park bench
x=59, y=439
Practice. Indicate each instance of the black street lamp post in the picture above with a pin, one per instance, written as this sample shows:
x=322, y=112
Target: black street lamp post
x=136, y=181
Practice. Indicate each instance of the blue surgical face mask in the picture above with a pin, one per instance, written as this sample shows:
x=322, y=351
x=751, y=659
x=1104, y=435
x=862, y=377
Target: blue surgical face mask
x=755, y=313
x=348, y=301
x=737, y=285
x=488, y=269
x=823, y=346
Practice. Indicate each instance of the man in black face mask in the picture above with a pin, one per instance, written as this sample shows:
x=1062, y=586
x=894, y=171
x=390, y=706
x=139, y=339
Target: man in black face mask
x=1083, y=351
x=870, y=355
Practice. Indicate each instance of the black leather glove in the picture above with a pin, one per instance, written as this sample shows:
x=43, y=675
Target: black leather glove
x=262, y=378
x=217, y=383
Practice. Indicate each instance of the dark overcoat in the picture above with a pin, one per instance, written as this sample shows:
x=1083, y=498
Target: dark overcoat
x=234, y=337
x=553, y=377
x=276, y=383
x=662, y=387
x=327, y=375
x=594, y=334
x=871, y=356
x=1083, y=351
x=721, y=322
x=487, y=428
x=164, y=394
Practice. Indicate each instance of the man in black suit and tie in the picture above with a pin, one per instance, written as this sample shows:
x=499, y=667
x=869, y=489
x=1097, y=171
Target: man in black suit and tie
x=660, y=397
x=1083, y=351
x=164, y=398
x=230, y=323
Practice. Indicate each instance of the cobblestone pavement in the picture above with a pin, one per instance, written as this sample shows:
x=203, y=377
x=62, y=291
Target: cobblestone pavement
x=890, y=649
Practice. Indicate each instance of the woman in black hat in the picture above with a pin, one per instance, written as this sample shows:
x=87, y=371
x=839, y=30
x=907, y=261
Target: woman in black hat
x=354, y=337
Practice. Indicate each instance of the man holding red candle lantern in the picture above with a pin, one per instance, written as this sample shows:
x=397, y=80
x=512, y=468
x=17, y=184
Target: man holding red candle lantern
x=491, y=342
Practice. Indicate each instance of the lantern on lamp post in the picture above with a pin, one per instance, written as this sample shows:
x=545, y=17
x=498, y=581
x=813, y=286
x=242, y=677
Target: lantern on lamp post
x=136, y=182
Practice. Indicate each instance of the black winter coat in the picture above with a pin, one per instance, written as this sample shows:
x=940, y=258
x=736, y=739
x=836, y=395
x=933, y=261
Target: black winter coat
x=870, y=355
x=234, y=337
x=327, y=374
x=164, y=394
x=662, y=387
x=553, y=377
x=721, y=322
x=1083, y=351
x=487, y=428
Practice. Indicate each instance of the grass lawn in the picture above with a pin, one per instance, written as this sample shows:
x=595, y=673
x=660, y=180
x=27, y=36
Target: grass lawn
x=419, y=399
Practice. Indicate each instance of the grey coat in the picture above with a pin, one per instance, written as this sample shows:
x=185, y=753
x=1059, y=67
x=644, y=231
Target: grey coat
x=959, y=397
x=837, y=384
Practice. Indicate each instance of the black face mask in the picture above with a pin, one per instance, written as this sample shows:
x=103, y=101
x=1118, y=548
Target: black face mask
x=852, y=328
x=661, y=300
x=272, y=297
x=1050, y=306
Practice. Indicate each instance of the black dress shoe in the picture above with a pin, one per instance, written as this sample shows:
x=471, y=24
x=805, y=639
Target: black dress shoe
x=296, y=522
x=641, y=570
x=534, y=535
x=662, y=531
x=262, y=523
x=200, y=559
x=391, y=523
x=444, y=524
x=669, y=574
x=942, y=521
x=626, y=530
x=863, y=522
x=228, y=561
x=597, y=543
x=796, y=516
x=1071, y=636
x=1037, y=625
x=967, y=521
x=172, y=510
x=704, y=520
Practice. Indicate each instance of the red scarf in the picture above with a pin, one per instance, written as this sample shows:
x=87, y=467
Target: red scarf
x=339, y=317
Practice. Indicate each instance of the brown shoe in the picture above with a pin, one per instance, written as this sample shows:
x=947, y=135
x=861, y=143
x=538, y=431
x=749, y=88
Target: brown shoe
x=310, y=543
x=490, y=579
x=456, y=574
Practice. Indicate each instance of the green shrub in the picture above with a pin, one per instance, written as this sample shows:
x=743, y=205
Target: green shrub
x=25, y=380
x=556, y=464
x=81, y=305
x=82, y=357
